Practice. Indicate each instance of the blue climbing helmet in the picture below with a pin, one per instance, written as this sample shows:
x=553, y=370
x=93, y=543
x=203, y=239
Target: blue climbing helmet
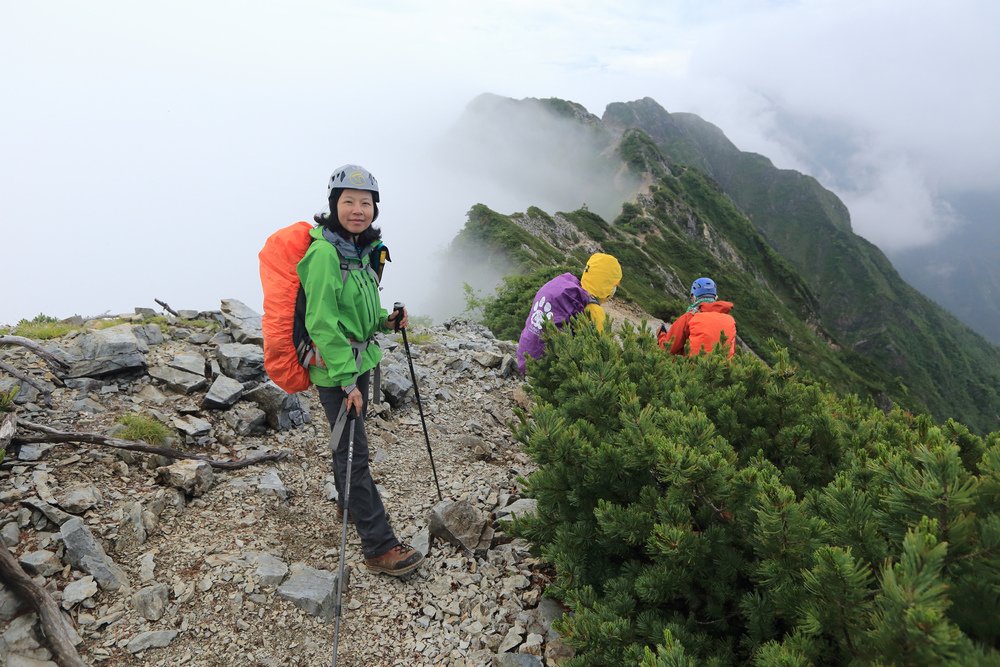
x=703, y=287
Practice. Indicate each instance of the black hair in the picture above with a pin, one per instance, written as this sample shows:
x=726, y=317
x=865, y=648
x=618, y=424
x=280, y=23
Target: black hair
x=332, y=222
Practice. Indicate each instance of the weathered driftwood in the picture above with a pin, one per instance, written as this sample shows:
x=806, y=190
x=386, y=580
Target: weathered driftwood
x=167, y=307
x=8, y=425
x=54, y=435
x=48, y=613
x=57, y=364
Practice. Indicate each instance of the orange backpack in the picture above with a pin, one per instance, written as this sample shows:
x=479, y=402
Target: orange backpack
x=278, y=276
x=288, y=349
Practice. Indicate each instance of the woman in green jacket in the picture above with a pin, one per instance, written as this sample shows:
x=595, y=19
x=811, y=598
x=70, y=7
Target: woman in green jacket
x=343, y=314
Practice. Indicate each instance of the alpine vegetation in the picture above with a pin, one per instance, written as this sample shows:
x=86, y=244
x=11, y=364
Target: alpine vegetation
x=707, y=511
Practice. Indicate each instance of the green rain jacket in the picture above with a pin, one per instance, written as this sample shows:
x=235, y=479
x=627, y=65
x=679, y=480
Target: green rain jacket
x=338, y=311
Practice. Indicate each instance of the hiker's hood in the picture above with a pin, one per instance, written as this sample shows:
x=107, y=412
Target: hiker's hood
x=602, y=275
x=716, y=307
x=346, y=248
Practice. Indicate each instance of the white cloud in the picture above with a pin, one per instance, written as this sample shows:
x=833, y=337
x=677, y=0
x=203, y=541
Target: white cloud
x=148, y=148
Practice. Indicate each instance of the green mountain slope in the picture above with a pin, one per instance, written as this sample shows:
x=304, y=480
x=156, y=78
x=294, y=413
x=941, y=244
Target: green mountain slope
x=781, y=247
x=862, y=298
x=962, y=272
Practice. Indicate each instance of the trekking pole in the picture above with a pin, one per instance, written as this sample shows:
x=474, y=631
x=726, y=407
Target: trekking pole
x=398, y=309
x=343, y=534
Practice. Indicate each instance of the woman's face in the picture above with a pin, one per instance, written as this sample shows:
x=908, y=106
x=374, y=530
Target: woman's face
x=355, y=210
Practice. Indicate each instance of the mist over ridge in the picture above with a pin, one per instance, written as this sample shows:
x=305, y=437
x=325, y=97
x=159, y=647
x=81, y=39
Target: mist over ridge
x=843, y=286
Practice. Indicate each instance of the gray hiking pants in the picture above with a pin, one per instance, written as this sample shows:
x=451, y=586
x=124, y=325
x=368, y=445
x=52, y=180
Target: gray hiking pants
x=366, y=510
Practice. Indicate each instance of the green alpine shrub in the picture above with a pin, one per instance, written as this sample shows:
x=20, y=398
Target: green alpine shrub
x=715, y=512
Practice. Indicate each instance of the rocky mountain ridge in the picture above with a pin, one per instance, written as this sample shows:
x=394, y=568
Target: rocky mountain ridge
x=676, y=198
x=162, y=561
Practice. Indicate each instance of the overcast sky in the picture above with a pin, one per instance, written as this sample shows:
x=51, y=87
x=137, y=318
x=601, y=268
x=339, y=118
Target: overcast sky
x=148, y=148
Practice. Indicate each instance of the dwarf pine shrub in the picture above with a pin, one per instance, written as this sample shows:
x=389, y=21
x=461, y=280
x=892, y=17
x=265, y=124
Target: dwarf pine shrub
x=702, y=511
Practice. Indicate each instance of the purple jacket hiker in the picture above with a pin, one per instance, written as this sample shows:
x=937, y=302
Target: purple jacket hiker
x=558, y=300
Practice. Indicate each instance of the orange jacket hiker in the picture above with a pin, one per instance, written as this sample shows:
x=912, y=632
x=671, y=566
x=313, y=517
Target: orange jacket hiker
x=703, y=325
x=703, y=329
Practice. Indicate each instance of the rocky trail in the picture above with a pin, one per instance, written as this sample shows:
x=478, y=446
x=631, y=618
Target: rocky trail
x=162, y=562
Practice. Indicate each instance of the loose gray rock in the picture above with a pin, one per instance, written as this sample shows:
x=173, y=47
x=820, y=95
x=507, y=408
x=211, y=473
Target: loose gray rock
x=243, y=321
x=518, y=509
x=284, y=411
x=10, y=604
x=270, y=484
x=33, y=451
x=151, y=601
x=78, y=591
x=105, y=352
x=10, y=535
x=479, y=448
x=517, y=660
x=532, y=645
x=224, y=393
x=85, y=553
x=488, y=359
x=53, y=514
x=152, y=395
x=189, y=362
x=511, y=640
x=247, y=420
x=153, y=639
x=241, y=361
x=396, y=385
x=311, y=590
x=194, y=427
x=458, y=522
x=147, y=567
x=79, y=499
x=270, y=570
x=88, y=405
x=508, y=366
x=132, y=530
x=421, y=541
x=23, y=634
x=177, y=380
x=190, y=476
x=150, y=334
x=41, y=562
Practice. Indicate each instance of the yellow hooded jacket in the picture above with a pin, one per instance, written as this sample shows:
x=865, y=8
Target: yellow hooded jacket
x=601, y=278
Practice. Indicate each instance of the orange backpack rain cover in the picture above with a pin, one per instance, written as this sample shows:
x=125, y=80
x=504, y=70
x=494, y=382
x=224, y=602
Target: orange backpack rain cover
x=278, y=276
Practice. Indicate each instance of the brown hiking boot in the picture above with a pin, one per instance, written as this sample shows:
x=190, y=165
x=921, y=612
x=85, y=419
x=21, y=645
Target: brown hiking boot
x=397, y=561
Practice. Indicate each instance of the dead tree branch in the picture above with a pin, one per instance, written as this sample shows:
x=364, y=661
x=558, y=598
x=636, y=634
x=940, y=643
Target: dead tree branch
x=53, y=624
x=54, y=435
x=167, y=307
x=24, y=377
x=57, y=364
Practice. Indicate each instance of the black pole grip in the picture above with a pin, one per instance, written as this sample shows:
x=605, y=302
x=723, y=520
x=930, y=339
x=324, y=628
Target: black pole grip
x=397, y=311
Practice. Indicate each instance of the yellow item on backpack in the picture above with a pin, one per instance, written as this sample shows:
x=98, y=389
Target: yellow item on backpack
x=602, y=275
